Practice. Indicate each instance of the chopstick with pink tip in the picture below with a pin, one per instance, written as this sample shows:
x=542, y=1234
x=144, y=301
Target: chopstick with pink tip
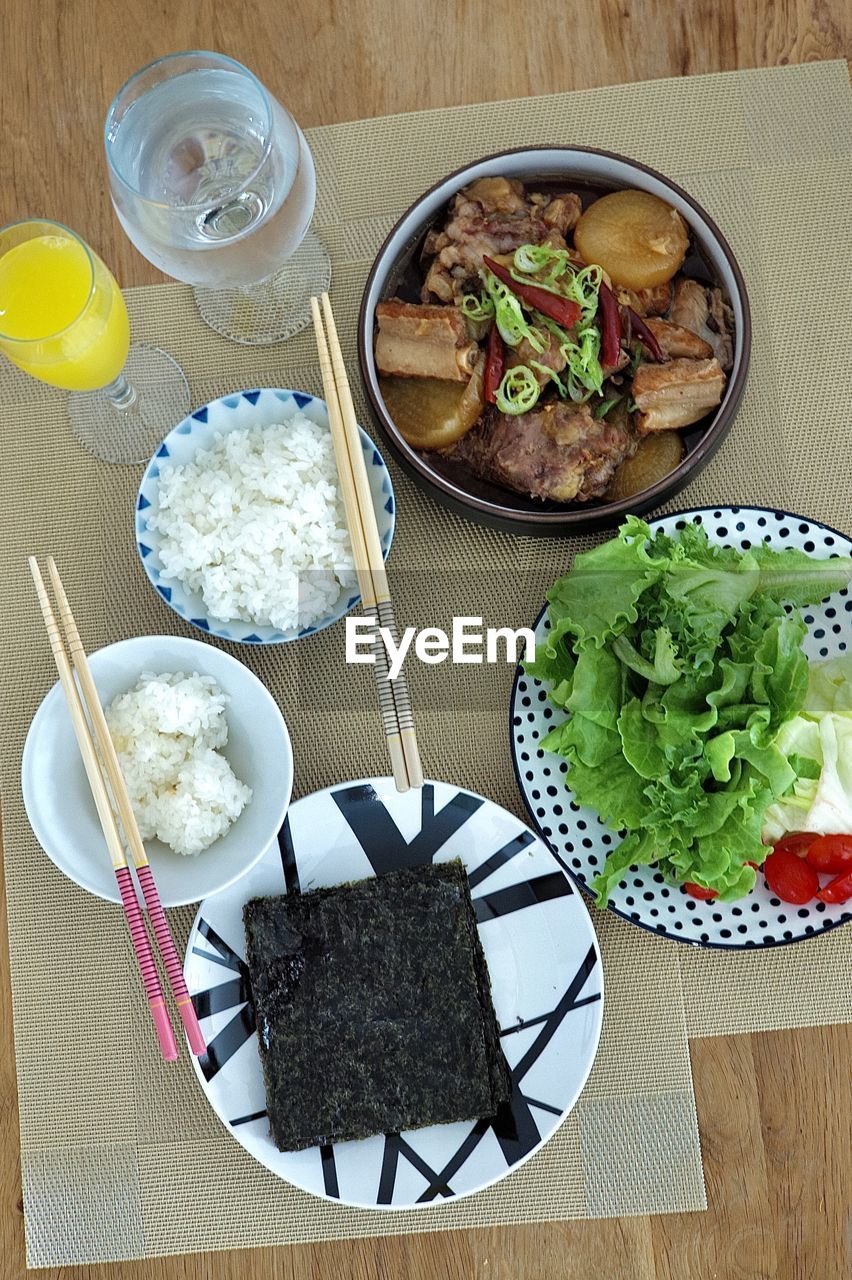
x=133, y=839
x=136, y=924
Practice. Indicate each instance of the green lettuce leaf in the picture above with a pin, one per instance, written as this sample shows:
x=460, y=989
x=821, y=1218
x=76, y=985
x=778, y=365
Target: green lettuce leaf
x=598, y=598
x=554, y=662
x=640, y=742
x=693, y=720
x=797, y=578
x=662, y=669
x=780, y=677
x=583, y=740
x=596, y=687
x=614, y=790
x=637, y=849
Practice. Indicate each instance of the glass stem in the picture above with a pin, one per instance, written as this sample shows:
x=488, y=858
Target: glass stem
x=121, y=395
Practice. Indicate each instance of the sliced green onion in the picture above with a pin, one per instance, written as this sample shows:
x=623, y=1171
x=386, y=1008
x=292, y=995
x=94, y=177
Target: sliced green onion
x=477, y=307
x=542, y=266
x=509, y=315
x=636, y=356
x=583, y=375
x=584, y=290
x=518, y=390
x=584, y=363
x=550, y=374
x=555, y=271
x=605, y=406
x=539, y=257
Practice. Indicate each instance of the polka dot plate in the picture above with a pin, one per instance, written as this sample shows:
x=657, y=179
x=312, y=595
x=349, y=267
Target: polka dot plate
x=581, y=842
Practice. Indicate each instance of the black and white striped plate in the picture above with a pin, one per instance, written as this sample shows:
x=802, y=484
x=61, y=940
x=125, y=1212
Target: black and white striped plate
x=581, y=841
x=542, y=957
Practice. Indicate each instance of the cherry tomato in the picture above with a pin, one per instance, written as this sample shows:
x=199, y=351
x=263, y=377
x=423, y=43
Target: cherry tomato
x=832, y=854
x=790, y=878
x=698, y=891
x=797, y=842
x=837, y=890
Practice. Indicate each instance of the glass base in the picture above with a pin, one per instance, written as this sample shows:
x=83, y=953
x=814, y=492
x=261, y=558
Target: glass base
x=132, y=433
x=275, y=309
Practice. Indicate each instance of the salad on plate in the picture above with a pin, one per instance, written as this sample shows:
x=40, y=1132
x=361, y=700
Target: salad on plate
x=694, y=723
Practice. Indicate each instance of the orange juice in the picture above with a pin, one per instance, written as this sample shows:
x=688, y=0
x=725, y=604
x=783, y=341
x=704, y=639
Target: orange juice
x=62, y=316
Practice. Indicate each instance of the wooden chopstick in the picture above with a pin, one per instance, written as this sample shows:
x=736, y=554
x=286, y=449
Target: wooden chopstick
x=381, y=596
x=360, y=556
x=145, y=876
x=132, y=910
x=367, y=551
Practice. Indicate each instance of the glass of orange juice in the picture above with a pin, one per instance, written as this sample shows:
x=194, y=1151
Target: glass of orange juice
x=63, y=320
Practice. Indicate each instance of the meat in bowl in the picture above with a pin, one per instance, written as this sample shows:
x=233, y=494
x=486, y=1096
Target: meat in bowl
x=553, y=346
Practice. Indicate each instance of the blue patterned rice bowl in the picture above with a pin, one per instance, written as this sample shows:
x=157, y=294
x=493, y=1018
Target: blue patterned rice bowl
x=171, y=548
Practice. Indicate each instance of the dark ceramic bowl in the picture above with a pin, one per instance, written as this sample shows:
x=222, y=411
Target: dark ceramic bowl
x=396, y=272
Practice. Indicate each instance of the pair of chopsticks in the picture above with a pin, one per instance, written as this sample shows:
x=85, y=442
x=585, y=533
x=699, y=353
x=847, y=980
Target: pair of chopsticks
x=99, y=753
x=394, y=702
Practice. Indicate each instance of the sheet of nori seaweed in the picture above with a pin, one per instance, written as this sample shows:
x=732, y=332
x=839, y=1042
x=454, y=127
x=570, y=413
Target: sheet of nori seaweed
x=373, y=1007
x=498, y=1067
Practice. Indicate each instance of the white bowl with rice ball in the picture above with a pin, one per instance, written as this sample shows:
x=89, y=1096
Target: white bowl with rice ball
x=207, y=759
x=239, y=521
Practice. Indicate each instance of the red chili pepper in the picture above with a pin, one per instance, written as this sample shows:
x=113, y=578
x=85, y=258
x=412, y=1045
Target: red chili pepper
x=645, y=336
x=797, y=842
x=697, y=890
x=562, y=310
x=609, y=322
x=495, y=360
x=789, y=877
x=831, y=854
x=837, y=890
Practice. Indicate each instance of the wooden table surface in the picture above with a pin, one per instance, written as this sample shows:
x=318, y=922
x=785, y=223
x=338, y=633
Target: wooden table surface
x=773, y=1108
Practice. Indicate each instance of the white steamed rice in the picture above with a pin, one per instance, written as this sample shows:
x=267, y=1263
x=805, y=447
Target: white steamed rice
x=167, y=732
x=255, y=525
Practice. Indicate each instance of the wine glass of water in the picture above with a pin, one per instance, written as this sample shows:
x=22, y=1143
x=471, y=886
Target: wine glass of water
x=214, y=183
x=63, y=320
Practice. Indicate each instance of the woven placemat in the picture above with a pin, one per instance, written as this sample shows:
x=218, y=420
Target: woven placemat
x=149, y=1170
